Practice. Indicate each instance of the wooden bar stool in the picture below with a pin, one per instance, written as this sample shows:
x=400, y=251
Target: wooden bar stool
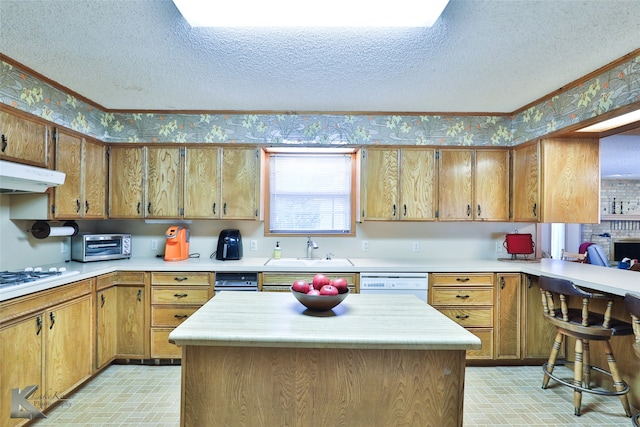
x=632, y=302
x=584, y=326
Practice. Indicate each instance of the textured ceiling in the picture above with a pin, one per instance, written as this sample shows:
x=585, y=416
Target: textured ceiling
x=481, y=56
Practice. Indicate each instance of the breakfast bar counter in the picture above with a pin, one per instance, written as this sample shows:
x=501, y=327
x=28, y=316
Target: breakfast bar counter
x=263, y=359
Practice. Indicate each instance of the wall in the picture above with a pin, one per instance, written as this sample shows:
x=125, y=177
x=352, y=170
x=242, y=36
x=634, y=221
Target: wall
x=439, y=240
x=627, y=192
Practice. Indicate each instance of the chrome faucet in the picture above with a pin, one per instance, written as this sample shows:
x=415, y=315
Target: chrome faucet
x=311, y=245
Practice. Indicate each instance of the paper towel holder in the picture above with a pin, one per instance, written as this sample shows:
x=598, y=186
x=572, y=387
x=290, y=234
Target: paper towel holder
x=42, y=229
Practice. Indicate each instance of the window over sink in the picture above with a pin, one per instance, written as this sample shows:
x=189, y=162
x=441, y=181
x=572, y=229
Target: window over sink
x=311, y=192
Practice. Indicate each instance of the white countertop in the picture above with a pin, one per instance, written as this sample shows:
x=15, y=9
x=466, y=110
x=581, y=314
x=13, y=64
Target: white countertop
x=603, y=279
x=277, y=319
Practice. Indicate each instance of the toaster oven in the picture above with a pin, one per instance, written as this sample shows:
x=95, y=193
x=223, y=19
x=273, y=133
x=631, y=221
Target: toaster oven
x=100, y=247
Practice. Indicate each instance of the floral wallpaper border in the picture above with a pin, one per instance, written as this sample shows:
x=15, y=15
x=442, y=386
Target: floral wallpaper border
x=612, y=89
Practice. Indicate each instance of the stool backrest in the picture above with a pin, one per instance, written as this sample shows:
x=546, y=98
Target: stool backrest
x=556, y=291
x=632, y=303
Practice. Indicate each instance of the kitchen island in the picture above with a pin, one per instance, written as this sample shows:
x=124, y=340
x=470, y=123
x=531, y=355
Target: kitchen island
x=263, y=359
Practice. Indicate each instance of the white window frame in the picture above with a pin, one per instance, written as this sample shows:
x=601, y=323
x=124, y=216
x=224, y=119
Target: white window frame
x=349, y=230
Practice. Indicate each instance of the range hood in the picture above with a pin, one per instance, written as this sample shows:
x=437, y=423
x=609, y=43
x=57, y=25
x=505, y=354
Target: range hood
x=18, y=178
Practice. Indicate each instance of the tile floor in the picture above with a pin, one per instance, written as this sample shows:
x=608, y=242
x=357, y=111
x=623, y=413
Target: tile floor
x=135, y=395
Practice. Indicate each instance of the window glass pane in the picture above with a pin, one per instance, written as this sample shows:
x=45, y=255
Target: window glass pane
x=310, y=193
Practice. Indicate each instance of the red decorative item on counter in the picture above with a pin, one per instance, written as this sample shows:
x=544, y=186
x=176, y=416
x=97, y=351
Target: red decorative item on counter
x=519, y=244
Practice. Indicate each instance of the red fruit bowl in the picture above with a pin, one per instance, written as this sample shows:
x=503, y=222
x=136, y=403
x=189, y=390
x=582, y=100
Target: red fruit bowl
x=319, y=302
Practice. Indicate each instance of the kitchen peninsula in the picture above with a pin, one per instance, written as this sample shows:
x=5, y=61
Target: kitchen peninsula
x=263, y=359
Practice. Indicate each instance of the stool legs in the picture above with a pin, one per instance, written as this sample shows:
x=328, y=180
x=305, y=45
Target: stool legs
x=577, y=377
x=618, y=384
x=557, y=343
x=586, y=367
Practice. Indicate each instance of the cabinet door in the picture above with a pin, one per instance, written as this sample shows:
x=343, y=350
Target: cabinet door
x=240, y=181
x=507, y=314
x=21, y=366
x=381, y=185
x=106, y=326
x=131, y=321
x=202, y=183
x=126, y=173
x=69, y=200
x=571, y=183
x=526, y=178
x=23, y=139
x=163, y=183
x=417, y=183
x=94, y=182
x=455, y=185
x=491, y=185
x=68, y=353
x=537, y=333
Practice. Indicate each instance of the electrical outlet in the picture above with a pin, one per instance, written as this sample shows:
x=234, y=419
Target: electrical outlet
x=499, y=247
x=254, y=245
x=154, y=245
x=365, y=245
x=63, y=247
x=416, y=246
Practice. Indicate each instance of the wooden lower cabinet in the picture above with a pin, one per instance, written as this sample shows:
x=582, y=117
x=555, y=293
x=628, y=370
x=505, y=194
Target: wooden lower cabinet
x=507, y=321
x=122, y=325
x=281, y=282
x=45, y=339
x=175, y=297
x=467, y=299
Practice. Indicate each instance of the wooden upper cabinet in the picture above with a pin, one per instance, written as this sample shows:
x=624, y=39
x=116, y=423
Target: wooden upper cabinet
x=417, y=184
x=24, y=140
x=474, y=185
x=455, y=179
x=557, y=180
x=126, y=175
x=163, y=183
x=202, y=183
x=399, y=184
x=571, y=180
x=491, y=185
x=240, y=183
x=525, y=197
x=83, y=194
x=380, y=182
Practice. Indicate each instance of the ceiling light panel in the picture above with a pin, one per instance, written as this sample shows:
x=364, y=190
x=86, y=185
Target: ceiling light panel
x=327, y=13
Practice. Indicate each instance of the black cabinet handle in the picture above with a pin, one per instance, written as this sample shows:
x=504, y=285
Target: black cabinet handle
x=77, y=205
x=394, y=209
x=4, y=143
x=214, y=208
x=462, y=316
x=462, y=296
x=180, y=295
x=38, y=323
x=479, y=210
x=535, y=209
x=224, y=209
x=405, y=209
x=102, y=300
x=462, y=279
x=180, y=279
x=149, y=208
x=53, y=319
x=468, y=210
x=139, y=294
x=86, y=206
x=138, y=208
x=181, y=316
x=501, y=282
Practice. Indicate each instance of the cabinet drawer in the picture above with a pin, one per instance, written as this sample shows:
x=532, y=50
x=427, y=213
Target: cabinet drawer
x=189, y=278
x=461, y=296
x=464, y=279
x=470, y=317
x=179, y=295
x=161, y=348
x=486, y=336
x=170, y=315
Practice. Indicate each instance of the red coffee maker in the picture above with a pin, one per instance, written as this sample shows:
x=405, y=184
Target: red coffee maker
x=177, y=247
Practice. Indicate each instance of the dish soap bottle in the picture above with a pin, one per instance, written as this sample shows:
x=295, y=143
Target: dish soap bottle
x=277, y=251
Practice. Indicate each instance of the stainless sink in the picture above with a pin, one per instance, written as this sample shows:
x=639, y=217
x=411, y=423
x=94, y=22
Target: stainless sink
x=304, y=262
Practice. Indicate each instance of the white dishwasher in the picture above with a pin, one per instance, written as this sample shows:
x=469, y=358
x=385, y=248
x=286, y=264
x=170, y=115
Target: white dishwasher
x=395, y=284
